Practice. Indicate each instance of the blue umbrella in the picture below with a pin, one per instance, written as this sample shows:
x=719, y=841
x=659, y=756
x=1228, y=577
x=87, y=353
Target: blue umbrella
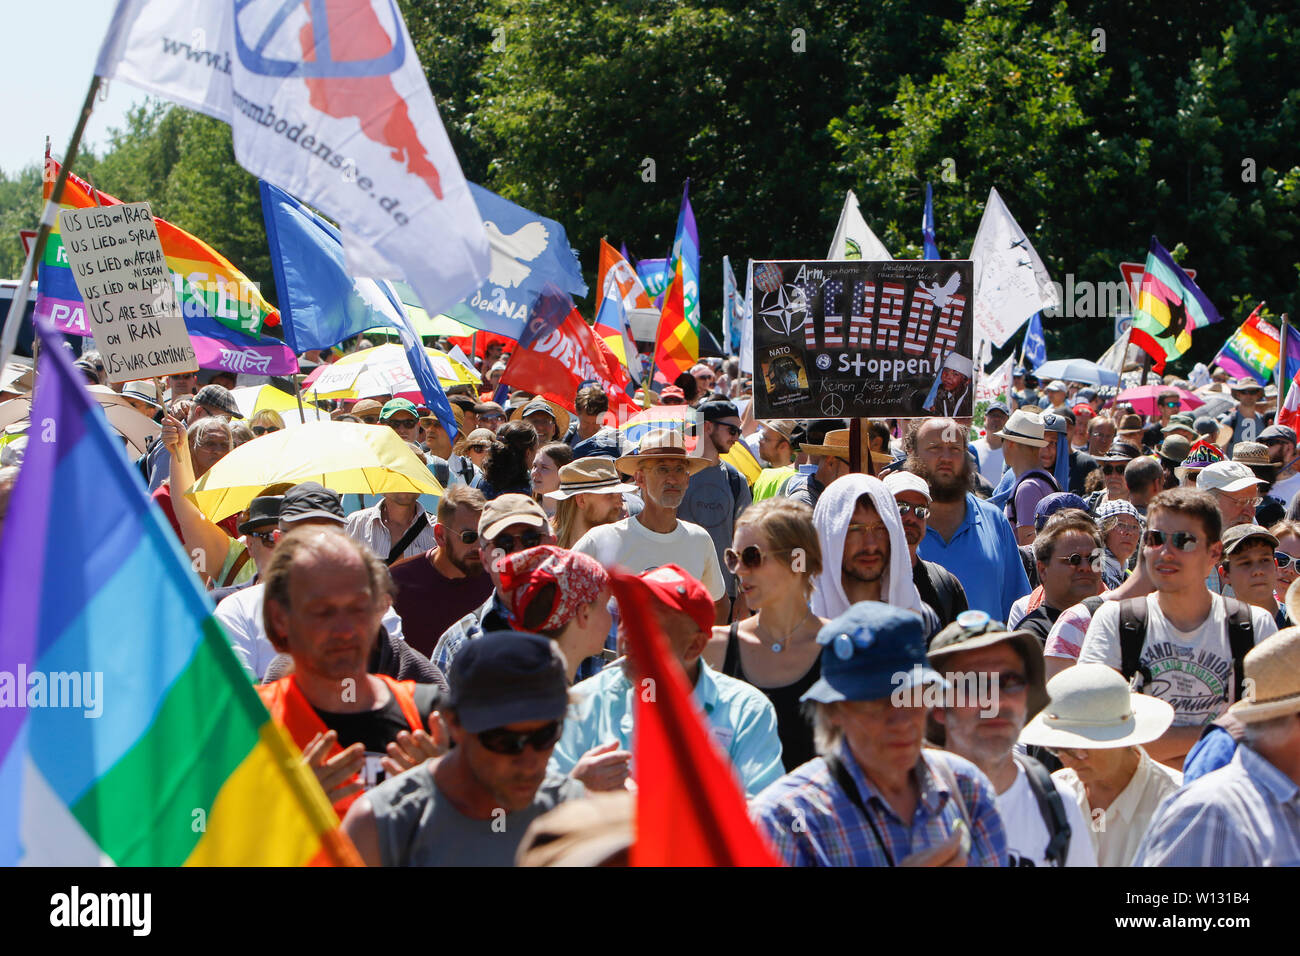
x=1076, y=370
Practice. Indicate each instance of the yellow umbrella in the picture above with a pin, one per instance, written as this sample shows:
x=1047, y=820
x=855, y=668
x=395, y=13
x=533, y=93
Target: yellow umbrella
x=343, y=456
x=252, y=399
x=383, y=370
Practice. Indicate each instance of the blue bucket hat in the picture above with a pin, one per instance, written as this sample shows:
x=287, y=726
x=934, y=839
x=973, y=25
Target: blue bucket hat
x=868, y=652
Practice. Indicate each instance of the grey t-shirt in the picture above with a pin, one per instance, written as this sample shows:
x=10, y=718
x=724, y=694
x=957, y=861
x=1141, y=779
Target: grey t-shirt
x=418, y=826
x=711, y=504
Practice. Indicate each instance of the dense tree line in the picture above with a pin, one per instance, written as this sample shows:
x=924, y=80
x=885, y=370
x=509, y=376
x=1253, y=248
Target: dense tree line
x=1100, y=122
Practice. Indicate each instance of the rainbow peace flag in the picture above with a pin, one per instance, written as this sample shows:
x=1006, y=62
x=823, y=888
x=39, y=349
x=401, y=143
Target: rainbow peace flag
x=210, y=291
x=677, y=343
x=1170, y=307
x=677, y=418
x=129, y=734
x=1254, y=349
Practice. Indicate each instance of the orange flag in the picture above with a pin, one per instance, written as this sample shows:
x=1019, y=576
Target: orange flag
x=690, y=809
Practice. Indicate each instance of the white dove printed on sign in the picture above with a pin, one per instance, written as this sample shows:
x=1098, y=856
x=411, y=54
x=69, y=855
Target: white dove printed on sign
x=942, y=294
x=510, y=252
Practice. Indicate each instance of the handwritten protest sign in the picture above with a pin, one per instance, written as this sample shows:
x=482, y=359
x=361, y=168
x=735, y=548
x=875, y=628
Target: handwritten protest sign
x=121, y=272
x=850, y=339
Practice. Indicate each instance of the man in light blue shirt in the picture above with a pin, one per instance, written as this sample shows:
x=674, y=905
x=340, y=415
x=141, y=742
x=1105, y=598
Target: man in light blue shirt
x=595, y=746
x=968, y=536
x=1247, y=813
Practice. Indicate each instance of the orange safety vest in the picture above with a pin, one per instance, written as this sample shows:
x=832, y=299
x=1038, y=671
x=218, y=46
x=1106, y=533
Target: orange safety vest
x=290, y=709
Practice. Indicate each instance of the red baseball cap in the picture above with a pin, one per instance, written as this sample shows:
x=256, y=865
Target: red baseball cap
x=1083, y=408
x=681, y=592
x=672, y=395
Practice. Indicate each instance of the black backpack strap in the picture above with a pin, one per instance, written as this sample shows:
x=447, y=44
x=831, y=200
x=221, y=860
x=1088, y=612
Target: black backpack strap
x=845, y=780
x=1132, y=634
x=1050, y=806
x=1092, y=603
x=731, y=658
x=1241, y=638
x=419, y=524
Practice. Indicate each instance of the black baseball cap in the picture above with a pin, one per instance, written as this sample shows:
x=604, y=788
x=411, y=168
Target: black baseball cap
x=507, y=677
x=718, y=411
x=310, y=500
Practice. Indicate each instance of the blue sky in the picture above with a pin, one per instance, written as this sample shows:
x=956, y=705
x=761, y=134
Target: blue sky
x=45, y=68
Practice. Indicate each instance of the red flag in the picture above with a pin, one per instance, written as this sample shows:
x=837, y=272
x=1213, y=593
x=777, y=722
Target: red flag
x=558, y=352
x=677, y=346
x=690, y=809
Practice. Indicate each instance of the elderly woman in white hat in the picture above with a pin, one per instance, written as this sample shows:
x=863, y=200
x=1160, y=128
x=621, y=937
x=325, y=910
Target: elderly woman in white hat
x=1096, y=727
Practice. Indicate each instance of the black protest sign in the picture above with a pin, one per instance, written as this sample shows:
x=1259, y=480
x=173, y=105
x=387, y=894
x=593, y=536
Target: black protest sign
x=859, y=339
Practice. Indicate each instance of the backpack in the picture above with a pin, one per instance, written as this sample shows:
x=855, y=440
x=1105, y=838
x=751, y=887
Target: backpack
x=1050, y=806
x=1133, y=632
x=1031, y=473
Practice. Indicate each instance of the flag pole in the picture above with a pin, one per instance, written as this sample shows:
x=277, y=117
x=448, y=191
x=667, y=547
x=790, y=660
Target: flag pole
x=48, y=215
x=1281, y=374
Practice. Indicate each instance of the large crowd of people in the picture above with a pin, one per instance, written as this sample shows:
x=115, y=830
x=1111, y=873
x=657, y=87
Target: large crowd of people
x=1059, y=636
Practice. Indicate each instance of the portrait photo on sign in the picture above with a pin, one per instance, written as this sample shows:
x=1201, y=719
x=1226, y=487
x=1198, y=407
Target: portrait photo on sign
x=887, y=339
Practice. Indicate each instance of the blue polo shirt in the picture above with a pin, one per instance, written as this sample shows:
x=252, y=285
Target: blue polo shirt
x=983, y=556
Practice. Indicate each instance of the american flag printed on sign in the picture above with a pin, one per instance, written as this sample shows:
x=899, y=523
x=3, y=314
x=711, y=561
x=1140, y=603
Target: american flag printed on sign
x=860, y=327
x=945, y=335
x=834, y=330
x=767, y=276
x=919, y=319
x=889, y=316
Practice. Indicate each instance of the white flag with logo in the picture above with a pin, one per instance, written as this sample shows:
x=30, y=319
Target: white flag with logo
x=327, y=100
x=853, y=237
x=1011, y=282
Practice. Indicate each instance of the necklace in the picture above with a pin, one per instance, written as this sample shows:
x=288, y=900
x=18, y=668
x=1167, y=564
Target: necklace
x=778, y=646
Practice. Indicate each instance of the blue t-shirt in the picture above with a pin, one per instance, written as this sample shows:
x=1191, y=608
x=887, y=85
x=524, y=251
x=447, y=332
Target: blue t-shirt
x=983, y=556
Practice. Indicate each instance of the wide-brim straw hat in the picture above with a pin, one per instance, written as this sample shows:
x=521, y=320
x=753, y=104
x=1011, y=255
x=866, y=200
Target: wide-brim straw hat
x=589, y=476
x=661, y=443
x=560, y=416
x=1272, y=686
x=836, y=444
x=1092, y=708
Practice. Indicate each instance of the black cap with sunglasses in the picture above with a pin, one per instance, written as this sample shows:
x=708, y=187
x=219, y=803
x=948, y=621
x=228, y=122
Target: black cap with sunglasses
x=509, y=677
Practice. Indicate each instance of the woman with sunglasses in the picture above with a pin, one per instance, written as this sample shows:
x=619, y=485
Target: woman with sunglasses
x=775, y=556
x=265, y=422
x=1287, y=533
x=469, y=454
x=508, y=462
x=545, y=473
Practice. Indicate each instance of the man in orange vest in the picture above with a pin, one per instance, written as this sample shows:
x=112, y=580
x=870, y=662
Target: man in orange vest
x=325, y=595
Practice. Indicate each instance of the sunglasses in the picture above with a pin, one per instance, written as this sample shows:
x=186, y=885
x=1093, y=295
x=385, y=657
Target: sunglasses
x=468, y=537
x=264, y=429
x=506, y=542
x=1170, y=404
x=370, y=419
x=266, y=537
x=1012, y=683
x=751, y=557
x=1179, y=540
x=403, y=422
x=511, y=743
x=1114, y=469
x=1285, y=560
x=1071, y=752
x=1075, y=560
x=921, y=511
x=732, y=430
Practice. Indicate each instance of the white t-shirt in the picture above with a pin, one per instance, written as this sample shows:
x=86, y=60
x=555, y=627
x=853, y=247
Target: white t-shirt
x=1019, y=608
x=630, y=544
x=1286, y=489
x=240, y=615
x=992, y=463
x=1190, y=670
x=1027, y=834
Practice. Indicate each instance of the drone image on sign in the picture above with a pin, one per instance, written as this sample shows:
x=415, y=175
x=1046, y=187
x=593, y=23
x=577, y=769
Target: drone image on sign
x=863, y=339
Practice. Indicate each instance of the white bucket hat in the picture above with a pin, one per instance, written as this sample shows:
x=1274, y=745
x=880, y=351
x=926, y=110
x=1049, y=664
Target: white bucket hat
x=1092, y=708
x=1024, y=428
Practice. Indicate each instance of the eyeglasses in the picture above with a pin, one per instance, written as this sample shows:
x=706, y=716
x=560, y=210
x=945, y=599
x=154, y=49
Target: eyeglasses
x=506, y=542
x=874, y=530
x=1071, y=752
x=1285, y=560
x=751, y=557
x=921, y=511
x=489, y=417
x=1075, y=560
x=1113, y=469
x=264, y=429
x=1243, y=502
x=1180, y=540
x=468, y=537
x=512, y=743
x=1012, y=683
x=477, y=448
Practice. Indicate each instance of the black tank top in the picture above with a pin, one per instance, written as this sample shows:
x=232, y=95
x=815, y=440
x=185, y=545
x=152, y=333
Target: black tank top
x=792, y=727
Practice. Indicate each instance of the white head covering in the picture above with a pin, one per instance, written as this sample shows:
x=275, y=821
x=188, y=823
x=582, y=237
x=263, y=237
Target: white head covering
x=959, y=363
x=831, y=517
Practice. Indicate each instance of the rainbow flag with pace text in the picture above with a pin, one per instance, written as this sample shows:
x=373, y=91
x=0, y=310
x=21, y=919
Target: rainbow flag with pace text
x=1170, y=307
x=223, y=309
x=129, y=733
x=1255, y=348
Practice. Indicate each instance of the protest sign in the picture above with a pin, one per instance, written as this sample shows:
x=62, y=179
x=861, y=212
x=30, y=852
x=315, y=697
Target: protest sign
x=122, y=275
x=862, y=339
